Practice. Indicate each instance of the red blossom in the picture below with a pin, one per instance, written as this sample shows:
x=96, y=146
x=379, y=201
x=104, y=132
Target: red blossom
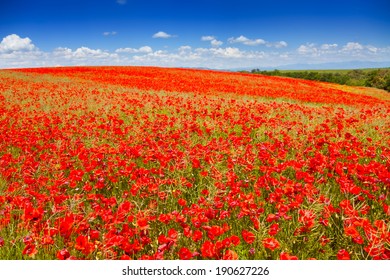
x=230, y=255
x=271, y=243
x=208, y=249
x=197, y=235
x=248, y=236
x=274, y=229
x=63, y=254
x=30, y=250
x=103, y=160
x=185, y=254
x=287, y=256
x=343, y=255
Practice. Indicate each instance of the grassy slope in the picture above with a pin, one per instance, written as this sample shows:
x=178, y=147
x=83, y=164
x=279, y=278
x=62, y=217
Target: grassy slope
x=258, y=156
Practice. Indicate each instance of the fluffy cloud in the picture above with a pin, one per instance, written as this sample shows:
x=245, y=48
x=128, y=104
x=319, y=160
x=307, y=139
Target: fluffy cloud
x=82, y=53
x=162, y=35
x=13, y=43
x=328, y=46
x=351, y=46
x=372, y=48
x=228, y=52
x=244, y=40
x=335, y=53
x=213, y=41
x=121, y=2
x=82, y=56
x=186, y=56
x=256, y=42
x=307, y=49
x=207, y=38
x=144, y=49
x=216, y=43
x=21, y=52
x=280, y=44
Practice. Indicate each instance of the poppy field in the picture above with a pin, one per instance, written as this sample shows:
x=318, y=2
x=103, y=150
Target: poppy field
x=163, y=163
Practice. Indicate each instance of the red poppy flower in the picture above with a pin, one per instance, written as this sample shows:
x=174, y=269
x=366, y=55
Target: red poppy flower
x=142, y=223
x=272, y=217
x=287, y=256
x=271, y=243
x=351, y=231
x=172, y=234
x=230, y=255
x=248, y=236
x=274, y=229
x=197, y=235
x=63, y=254
x=195, y=163
x=125, y=257
x=30, y=250
x=182, y=202
x=47, y=240
x=28, y=240
x=235, y=240
x=83, y=244
x=343, y=255
x=94, y=234
x=208, y=249
x=185, y=254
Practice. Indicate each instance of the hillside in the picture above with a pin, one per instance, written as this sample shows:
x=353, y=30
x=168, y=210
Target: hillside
x=154, y=163
x=378, y=78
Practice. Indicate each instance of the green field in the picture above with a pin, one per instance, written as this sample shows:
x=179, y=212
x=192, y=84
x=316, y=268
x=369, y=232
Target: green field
x=340, y=71
x=369, y=77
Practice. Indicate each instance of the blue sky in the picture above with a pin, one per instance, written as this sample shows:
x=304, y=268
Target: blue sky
x=202, y=33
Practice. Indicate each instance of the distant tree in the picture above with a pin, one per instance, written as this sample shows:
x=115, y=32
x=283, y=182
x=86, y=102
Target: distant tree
x=387, y=83
x=379, y=78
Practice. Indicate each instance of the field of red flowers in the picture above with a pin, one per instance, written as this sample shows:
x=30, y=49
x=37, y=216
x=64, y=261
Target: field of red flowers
x=154, y=163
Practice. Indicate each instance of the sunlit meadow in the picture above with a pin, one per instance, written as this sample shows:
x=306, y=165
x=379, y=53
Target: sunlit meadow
x=154, y=163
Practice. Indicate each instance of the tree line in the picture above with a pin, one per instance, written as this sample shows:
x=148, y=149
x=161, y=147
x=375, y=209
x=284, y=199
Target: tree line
x=378, y=78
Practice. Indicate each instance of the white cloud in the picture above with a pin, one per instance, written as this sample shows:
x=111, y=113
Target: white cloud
x=307, y=49
x=352, y=46
x=162, y=35
x=256, y=42
x=82, y=56
x=313, y=53
x=328, y=46
x=21, y=52
x=121, y=2
x=216, y=43
x=13, y=42
x=207, y=38
x=144, y=49
x=372, y=48
x=280, y=44
x=108, y=33
x=244, y=40
x=213, y=41
x=63, y=52
x=87, y=52
x=184, y=49
x=228, y=52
